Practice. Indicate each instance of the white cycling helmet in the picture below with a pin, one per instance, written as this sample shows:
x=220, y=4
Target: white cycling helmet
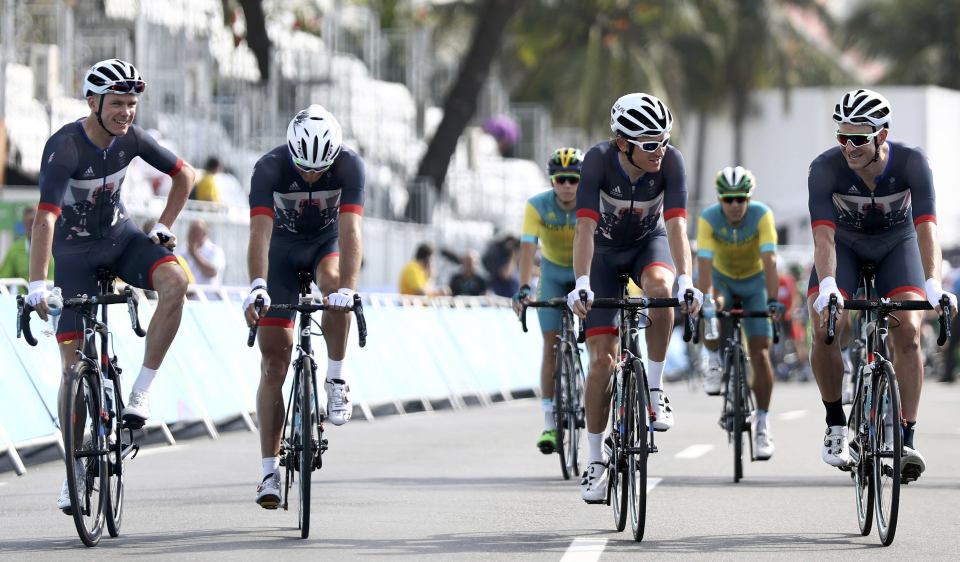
x=314, y=138
x=113, y=76
x=863, y=107
x=639, y=114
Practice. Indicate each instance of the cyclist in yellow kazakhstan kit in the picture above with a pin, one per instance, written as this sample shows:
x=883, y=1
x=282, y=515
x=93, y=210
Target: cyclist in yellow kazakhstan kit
x=550, y=217
x=737, y=255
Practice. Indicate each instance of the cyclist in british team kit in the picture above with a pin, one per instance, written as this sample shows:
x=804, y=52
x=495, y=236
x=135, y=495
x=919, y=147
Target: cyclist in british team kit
x=550, y=218
x=82, y=221
x=736, y=256
x=872, y=200
x=306, y=210
x=631, y=217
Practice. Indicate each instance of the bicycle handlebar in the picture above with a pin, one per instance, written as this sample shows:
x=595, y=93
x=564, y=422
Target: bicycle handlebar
x=690, y=323
x=832, y=320
x=357, y=309
x=557, y=302
x=944, y=320
x=128, y=297
x=887, y=306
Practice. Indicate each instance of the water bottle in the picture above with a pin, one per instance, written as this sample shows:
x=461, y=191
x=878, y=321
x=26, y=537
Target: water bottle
x=55, y=306
x=711, y=329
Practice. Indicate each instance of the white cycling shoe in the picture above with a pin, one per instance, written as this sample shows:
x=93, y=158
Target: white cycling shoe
x=661, y=409
x=912, y=464
x=339, y=407
x=593, y=485
x=268, y=492
x=63, y=501
x=763, y=445
x=137, y=410
x=713, y=378
x=836, y=447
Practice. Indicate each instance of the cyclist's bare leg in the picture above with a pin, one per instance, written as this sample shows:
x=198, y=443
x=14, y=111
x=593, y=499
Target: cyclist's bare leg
x=549, y=364
x=170, y=282
x=907, y=359
x=336, y=325
x=603, y=353
x=825, y=359
x=762, y=370
x=657, y=282
x=276, y=347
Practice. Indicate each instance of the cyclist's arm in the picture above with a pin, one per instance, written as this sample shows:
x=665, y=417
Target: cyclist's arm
x=924, y=207
x=930, y=253
x=705, y=275
x=179, y=192
x=59, y=162
x=820, y=183
x=770, y=275
x=583, y=246
x=527, y=252
x=767, y=237
x=679, y=245
x=41, y=244
x=165, y=161
x=706, y=246
x=261, y=230
x=588, y=211
x=351, y=249
x=675, y=211
x=824, y=251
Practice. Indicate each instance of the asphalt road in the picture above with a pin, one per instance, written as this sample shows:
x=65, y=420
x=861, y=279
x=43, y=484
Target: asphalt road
x=471, y=484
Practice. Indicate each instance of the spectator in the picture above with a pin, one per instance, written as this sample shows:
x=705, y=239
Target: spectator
x=17, y=261
x=415, y=276
x=206, y=189
x=147, y=227
x=506, y=132
x=467, y=281
x=205, y=259
x=499, y=259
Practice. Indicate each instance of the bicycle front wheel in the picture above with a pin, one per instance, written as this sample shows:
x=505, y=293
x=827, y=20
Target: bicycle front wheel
x=888, y=452
x=575, y=418
x=737, y=384
x=114, y=501
x=85, y=448
x=862, y=470
x=305, y=404
x=638, y=407
x=562, y=409
x=617, y=471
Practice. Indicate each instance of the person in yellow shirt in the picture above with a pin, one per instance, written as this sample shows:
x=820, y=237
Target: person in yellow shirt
x=206, y=188
x=737, y=256
x=415, y=275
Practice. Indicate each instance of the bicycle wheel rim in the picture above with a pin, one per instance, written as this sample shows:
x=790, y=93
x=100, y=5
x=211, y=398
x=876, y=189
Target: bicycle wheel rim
x=561, y=409
x=89, y=516
x=115, y=473
x=888, y=452
x=737, y=418
x=640, y=431
x=577, y=419
x=860, y=473
x=306, y=445
x=618, y=487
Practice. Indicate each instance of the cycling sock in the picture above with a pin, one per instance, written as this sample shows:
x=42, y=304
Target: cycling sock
x=334, y=369
x=144, y=380
x=548, y=420
x=835, y=415
x=908, y=434
x=595, y=441
x=271, y=465
x=655, y=373
x=761, y=419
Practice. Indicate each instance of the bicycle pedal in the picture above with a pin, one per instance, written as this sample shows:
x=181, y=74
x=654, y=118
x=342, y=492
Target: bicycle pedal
x=132, y=423
x=595, y=501
x=653, y=449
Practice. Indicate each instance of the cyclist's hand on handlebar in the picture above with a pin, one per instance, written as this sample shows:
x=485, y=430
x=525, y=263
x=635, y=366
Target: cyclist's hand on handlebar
x=162, y=236
x=257, y=289
x=341, y=301
x=683, y=284
x=828, y=286
x=573, y=297
x=935, y=292
x=37, y=298
x=775, y=308
x=522, y=296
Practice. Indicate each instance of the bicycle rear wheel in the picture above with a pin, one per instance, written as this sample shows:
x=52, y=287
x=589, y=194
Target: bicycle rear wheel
x=306, y=443
x=561, y=408
x=114, y=501
x=861, y=472
x=85, y=460
x=617, y=470
x=638, y=408
x=888, y=452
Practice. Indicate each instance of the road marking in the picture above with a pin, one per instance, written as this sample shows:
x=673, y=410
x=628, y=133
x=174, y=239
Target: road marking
x=652, y=483
x=158, y=450
x=694, y=451
x=793, y=415
x=584, y=550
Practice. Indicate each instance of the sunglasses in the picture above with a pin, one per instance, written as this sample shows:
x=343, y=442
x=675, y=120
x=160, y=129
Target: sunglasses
x=572, y=180
x=731, y=200
x=309, y=170
x=650, y=146
x=858, y=139
x=127, y=87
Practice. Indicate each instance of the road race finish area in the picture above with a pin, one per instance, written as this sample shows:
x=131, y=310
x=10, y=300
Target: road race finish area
x=471, y=485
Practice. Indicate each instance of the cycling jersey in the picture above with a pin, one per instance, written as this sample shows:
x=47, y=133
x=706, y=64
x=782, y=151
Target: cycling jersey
x=629, y=213
x=735, y=250
x=80, y=182
x=301, y=210
x=838, y=197
x=543, y=219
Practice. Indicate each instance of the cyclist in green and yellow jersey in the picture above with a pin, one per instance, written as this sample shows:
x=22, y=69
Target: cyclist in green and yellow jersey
x=550, y=217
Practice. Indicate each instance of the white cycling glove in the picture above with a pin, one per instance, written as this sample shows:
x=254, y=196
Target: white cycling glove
x=257, y=289
x=684, y=283
x=160, y=230
x=38, y=293
x=828, y=286
x=583, y=284
x=341, y=299
x=934, y=293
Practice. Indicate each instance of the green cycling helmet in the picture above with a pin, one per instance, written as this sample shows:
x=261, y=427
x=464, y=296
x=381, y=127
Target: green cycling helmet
x=565, y=160
x=735, y=182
